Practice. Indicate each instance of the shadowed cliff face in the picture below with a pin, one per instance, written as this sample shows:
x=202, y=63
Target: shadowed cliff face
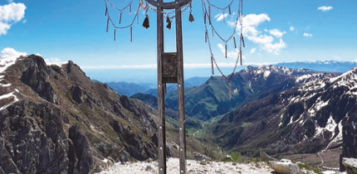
x=64, y=123
x=54, y=119
x=349, y=132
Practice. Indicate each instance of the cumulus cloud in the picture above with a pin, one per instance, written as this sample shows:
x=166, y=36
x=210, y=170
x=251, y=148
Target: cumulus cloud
x=230, y=54
x=325, y=8
x=10, y=53
x=53, y=61
x=292, y=28
x=307, y=34
x=276, y=47
x=186, y=65
x=251, y=22
x=252, y=50
x=277, y=33
x=10, y=14
x=220, y=17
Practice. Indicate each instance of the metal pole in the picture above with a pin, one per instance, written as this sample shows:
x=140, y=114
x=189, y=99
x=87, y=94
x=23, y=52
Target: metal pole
x=160, y=92
x=180, y=90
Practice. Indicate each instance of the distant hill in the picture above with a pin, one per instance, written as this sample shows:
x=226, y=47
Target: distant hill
x=128, y=89
x=327, y=66
x=211, y=99
x=172, y=88
x=195, y=81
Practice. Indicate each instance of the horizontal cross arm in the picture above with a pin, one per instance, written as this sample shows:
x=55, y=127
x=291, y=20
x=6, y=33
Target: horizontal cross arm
x=168, y=5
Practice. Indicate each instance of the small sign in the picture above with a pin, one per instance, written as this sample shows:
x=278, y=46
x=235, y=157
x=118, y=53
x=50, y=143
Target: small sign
x=169, y=67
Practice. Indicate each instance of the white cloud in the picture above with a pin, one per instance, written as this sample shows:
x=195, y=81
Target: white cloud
x=3, y=28
x=10, y=53
x=252, y=50
x=292, y=28
x=154, y=66
x=277, y=33
x=307, y=34
x=220, y=17
x=251, y=22
x=10, y=14
x=275, y=48
x=325, y=8
x=230, y=54
x=24, y=21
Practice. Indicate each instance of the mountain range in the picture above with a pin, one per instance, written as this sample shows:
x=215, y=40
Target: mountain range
x=55, y=119
x=326, y=66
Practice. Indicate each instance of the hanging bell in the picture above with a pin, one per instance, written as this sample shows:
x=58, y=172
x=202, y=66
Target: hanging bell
x=146, y=22
x=191, y=19
x=168, y=21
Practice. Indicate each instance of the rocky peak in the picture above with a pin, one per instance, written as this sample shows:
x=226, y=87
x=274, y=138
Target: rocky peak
x=36, y=76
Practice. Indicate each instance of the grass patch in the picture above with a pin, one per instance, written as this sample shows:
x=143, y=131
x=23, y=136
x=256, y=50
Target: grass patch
x=307, y=167
x=236, y=156
x=245, y=124
x=203, y=163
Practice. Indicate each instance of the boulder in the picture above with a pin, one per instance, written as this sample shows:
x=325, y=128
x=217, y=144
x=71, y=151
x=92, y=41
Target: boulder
x=350, y=165
x=200, y=157
x=265, y=157
x=285, y=166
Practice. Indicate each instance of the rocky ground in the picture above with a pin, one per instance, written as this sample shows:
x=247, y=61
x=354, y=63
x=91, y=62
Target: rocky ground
x=193, y=167
x=198, y=167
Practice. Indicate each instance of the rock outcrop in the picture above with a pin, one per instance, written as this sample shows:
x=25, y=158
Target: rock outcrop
x=349, y=146
x=350, y=165
x=284, y=166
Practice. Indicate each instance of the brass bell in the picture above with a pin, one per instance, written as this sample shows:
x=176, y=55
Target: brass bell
x=146, y=22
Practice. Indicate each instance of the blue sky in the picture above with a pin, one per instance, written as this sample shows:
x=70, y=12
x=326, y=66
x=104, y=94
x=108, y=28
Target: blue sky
x=274, y=31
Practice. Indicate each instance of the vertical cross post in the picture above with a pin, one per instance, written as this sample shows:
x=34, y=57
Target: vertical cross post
x=180, y=91
x=170, y=70
x=161, y=92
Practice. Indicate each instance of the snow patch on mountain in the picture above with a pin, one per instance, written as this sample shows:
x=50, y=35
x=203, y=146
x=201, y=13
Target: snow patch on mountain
x=8, y=96
x=330, y=126
x=8, y=58
x=266, y=74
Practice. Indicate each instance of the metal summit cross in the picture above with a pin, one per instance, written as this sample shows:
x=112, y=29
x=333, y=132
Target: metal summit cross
x=170, y=65
x=170, y=70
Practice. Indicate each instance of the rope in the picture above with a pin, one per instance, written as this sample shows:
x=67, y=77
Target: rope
x=120, y=10
x=219, y=8
x=111, y=21
x=204, y=10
